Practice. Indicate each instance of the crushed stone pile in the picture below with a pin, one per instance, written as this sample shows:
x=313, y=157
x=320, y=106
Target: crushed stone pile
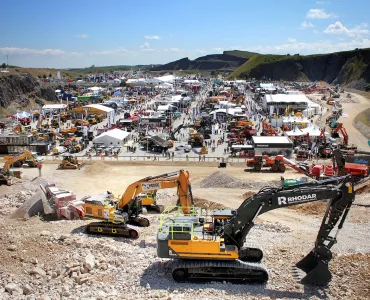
x=15, y=200
x=26, y=202
x=222, y=180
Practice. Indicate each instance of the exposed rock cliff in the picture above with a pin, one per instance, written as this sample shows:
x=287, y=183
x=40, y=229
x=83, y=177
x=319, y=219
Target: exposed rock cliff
x=19, y=89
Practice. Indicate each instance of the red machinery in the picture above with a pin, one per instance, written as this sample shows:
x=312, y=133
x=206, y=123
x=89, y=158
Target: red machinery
x=268, y=129
x=343, y=131
x=276, y=164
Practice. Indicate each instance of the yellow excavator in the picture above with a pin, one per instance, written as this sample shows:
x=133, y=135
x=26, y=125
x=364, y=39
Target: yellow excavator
x=17, y=161
x=214, y=246
x=116, y=217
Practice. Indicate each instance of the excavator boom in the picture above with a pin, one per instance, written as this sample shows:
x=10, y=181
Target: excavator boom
x=219, y=247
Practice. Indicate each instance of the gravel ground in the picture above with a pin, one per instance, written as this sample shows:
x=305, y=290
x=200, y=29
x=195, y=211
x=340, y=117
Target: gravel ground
x=69, y=264
x=222, y=180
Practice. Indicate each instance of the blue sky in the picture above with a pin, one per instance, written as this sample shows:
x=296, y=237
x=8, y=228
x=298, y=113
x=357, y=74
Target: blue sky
x=79, y=33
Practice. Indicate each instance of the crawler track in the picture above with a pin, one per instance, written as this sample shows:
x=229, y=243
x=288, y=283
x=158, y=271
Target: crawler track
x=208, y=270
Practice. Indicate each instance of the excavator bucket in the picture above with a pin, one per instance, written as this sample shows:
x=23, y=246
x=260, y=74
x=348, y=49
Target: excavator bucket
x=312, y=270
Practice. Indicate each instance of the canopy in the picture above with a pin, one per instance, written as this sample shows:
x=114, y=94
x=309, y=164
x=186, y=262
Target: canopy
x=312, y=130
x=295, y=132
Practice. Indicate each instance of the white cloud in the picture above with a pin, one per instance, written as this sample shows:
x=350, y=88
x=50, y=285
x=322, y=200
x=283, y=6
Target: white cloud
x=152, y=37
x=317, y=13
x=172, y=49
x=218, y=49
x=339, y=28
x=306, y=25
x=321, y=46
x=146, y=47
x=200, y=51
x=291, y=40
x=116, y=51
x=82, y=36
x=28, y=51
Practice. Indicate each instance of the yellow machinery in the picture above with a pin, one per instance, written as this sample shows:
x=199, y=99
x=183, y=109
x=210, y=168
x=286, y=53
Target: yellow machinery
x=69, y=162
x=79, y=123
x=68, y=130
x=214, y=246
x=115, y=217
x=17, y=161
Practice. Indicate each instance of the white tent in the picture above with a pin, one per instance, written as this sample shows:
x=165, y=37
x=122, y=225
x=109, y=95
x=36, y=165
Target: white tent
x=114, y=137
x=312, y=131
x=295, y=132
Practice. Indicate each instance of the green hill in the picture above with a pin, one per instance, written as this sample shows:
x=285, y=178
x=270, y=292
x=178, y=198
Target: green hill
x=348, y=67
x=238, y=53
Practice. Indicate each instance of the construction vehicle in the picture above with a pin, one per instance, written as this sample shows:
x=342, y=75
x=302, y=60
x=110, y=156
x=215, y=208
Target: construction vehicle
x=92, y=120
x=115, y=217
x=268, y=130
x=79, y=123
x=63, y=203
x=276, y=164
x=69, y=162
x=17, y=161
x=68, y=131
x=239, y=123
x=335, y=134
x=26, y=157
x=213, y=247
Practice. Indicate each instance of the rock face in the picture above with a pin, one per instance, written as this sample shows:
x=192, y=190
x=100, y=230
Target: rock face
x=19, y=89
x=208, y=62
x=349, y=67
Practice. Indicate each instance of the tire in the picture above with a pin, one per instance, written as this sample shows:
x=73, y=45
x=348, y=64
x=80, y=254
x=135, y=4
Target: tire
x=282, y=168
x=17, y=164
x=257, y=168
x=179, y=275
x=31, y=164
x=274, y=168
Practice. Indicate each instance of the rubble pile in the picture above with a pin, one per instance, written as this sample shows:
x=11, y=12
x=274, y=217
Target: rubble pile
x=222, y=180
x=11, y=201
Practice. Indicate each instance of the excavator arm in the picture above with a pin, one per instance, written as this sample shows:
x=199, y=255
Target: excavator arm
x=178, y=179
x=338, y=190
x=22, y=156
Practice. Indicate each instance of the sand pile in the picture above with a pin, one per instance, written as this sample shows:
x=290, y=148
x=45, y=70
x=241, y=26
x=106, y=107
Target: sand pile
x=222, y=180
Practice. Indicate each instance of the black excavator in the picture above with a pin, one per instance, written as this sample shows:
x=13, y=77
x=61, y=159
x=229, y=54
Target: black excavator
x=217, y=250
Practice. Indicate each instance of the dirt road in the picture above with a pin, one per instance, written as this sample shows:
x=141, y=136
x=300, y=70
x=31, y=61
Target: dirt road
x=352, y=110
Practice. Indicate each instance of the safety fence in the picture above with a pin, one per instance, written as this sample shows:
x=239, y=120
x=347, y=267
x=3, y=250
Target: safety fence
x=150, y=157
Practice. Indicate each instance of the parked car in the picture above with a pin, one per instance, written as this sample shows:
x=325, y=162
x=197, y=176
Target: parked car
x=186, y=148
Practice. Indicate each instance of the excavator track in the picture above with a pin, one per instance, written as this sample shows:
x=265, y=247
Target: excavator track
x=211, y=270
x=106, y=228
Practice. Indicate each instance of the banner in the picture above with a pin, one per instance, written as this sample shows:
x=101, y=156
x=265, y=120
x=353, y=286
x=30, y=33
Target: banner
x=146, y=187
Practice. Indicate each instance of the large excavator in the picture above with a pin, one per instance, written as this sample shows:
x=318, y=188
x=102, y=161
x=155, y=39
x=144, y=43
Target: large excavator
x=268, y=130
x=335, y=134
x=216, y=250
x=17, y=161
x=116, y=218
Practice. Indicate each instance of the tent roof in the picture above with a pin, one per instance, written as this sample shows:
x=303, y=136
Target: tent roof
x=54, y=106
x=100, y=107
x=295, y=132
x=114, y=133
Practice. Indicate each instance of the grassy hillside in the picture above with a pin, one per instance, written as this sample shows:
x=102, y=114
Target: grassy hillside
x=111, y=69
x=238, y=53
x=36, y=72
x=347, y=67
